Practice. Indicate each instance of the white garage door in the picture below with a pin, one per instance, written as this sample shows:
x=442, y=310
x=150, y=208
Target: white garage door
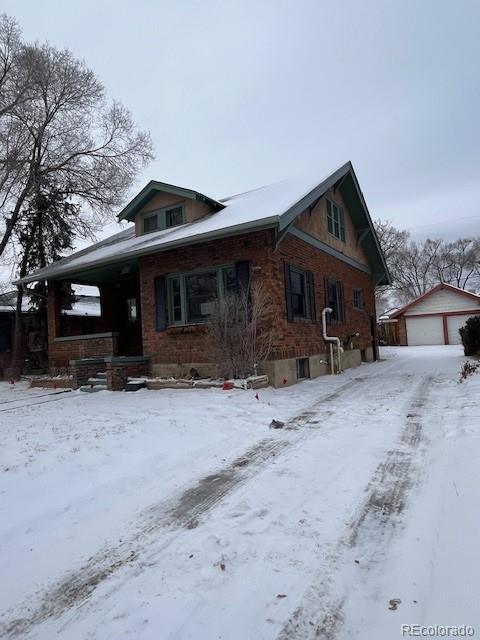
x=425, y=330
x=454, y=324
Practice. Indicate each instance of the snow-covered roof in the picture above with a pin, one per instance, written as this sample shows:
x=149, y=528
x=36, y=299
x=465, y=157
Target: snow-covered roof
x=275, y=205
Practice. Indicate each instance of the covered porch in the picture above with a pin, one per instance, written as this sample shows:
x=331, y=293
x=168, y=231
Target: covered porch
x=115, y=331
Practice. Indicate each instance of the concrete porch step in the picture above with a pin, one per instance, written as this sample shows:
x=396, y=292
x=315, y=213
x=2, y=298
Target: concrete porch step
x=135, y=385
x=94, y=388
x=96, y=381
x=101, y=375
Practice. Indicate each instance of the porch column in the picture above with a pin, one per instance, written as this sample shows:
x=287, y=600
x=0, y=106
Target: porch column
x=53, y=310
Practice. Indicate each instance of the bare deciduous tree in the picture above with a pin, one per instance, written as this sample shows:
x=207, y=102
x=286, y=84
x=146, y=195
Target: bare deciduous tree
x=416, y=267
x=240, y=330
x=62, y=128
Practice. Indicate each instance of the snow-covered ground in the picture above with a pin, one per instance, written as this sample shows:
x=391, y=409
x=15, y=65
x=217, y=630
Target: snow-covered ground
x=180, y=513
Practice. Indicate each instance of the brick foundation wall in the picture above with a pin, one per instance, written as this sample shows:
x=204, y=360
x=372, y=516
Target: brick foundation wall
x=300, y=338
x=61, y=351
x=83, y=370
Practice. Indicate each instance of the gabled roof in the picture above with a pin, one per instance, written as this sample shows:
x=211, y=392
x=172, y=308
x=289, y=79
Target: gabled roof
x=153, y=187
x=427, y=294
x=273, y=206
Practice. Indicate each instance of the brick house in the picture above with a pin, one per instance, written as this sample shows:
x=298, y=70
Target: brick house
x=312, y=243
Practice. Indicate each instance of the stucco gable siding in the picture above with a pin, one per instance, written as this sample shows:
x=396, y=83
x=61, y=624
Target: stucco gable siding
x=442, y=301
x=314, y=223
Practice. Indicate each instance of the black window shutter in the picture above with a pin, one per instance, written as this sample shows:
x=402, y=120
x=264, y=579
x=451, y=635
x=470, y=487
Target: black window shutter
x=161, y=303
x=341, y=302
x=288, y=291
x=311, y=296
x=242, y=272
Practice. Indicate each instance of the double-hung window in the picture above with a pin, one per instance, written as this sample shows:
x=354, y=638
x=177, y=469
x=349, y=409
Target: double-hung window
x=334, y=299
x=358, y=301
x=298, y=289
x=335, y=220
x=163, y=218
x=299, y=293
x=191, y=297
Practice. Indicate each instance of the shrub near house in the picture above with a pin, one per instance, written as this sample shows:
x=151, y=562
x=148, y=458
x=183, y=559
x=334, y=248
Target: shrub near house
x=470, y=335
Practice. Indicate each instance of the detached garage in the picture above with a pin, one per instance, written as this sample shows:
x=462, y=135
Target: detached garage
x=436, y=317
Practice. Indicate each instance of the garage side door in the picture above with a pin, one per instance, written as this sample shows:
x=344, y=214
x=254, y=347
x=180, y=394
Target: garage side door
x=425, y=330
x=454, y=323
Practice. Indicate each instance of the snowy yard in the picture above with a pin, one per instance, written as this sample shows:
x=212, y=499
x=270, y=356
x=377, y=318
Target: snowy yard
x=180, y=514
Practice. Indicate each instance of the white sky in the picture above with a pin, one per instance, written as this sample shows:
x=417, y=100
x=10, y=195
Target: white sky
x=239, y=94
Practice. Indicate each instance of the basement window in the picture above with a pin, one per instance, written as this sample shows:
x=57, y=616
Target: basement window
x=303, y=368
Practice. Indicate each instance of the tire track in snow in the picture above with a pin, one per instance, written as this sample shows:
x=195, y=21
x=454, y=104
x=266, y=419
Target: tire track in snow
x=37, y=404
x=320, y=615
x=185, y=512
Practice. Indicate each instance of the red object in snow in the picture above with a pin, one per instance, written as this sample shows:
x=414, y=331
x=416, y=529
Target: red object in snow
x=227, y=386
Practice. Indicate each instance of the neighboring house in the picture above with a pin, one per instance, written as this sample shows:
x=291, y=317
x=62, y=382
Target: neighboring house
x=436, y=316
x=312, y=243
x=34, y=339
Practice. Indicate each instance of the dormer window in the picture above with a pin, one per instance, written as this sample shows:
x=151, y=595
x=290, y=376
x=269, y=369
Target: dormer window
x=174, y=216
x=163, y=218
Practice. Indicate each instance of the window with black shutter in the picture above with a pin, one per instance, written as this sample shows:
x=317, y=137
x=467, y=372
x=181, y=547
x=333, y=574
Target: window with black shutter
x=334, y=299
x=299, y=293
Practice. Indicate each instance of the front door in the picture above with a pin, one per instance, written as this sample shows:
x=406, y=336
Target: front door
x=129, y=319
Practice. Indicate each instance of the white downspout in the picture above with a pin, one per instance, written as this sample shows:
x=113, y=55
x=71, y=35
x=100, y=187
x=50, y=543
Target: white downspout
x=331, y=340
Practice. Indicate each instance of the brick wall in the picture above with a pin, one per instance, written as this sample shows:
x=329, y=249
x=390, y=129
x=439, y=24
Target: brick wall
x=294, y=339
x=60, y=352
x=118, y=374
x=303, y=337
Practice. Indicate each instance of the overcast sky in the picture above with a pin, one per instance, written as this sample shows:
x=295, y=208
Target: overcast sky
x=239, y=94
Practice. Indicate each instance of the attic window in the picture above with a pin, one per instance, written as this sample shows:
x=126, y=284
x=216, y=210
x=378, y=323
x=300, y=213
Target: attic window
x=164, y=218
x=174, y=217
x=335, y=220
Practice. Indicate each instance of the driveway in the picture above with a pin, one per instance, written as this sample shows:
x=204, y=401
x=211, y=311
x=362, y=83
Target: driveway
x=181, y=514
